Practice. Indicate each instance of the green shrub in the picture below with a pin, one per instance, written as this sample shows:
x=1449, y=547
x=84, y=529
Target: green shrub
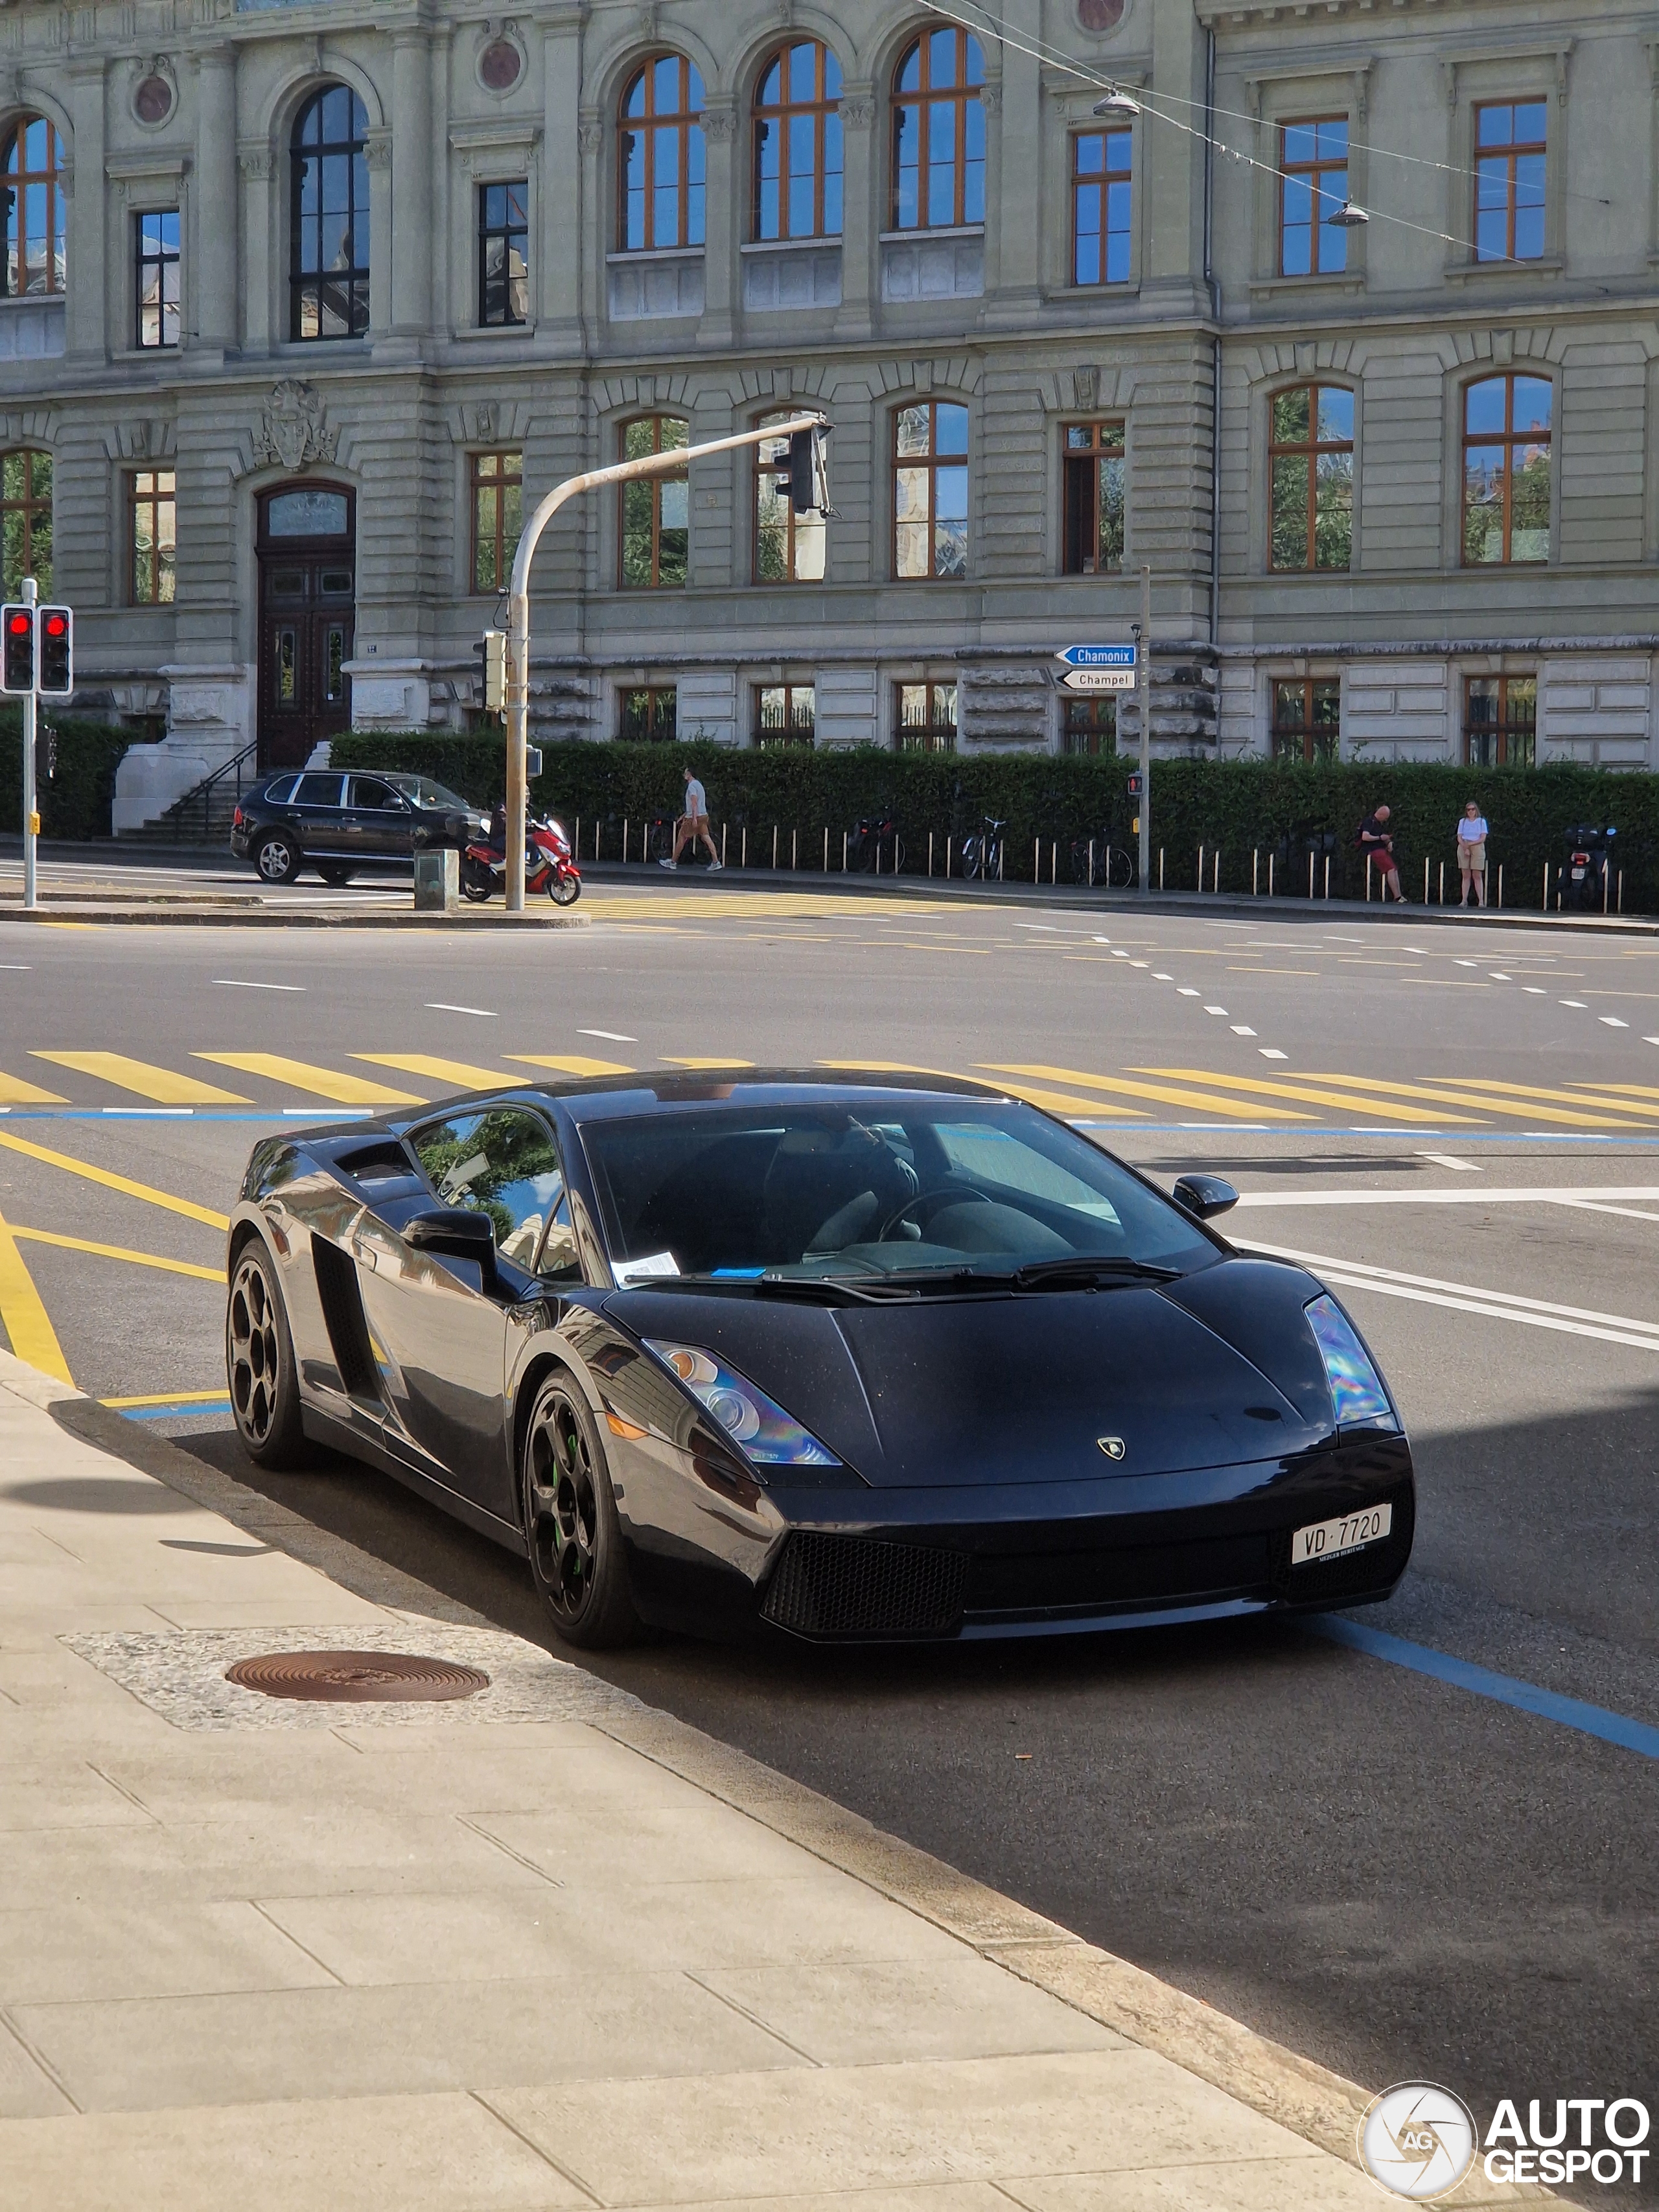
x=1238, y=807
x=76, y=802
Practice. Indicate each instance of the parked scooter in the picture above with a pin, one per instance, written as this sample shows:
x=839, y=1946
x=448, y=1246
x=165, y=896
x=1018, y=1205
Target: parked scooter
x=548, y=865
x=1582, y=879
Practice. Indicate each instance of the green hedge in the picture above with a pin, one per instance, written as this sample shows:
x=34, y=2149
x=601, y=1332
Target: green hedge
x=76, y=802
x=1239, y=806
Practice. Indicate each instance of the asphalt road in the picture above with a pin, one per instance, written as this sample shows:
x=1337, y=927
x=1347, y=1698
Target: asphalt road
x=1388, y=1871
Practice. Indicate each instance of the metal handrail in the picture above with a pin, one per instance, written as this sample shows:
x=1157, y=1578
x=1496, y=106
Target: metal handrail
x=204, y=789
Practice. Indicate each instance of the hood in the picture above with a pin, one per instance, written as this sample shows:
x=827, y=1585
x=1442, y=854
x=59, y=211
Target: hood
x=990, y=1389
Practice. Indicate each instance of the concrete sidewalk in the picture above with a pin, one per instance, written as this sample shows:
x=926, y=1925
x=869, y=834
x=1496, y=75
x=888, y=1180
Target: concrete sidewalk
x=542, y=1946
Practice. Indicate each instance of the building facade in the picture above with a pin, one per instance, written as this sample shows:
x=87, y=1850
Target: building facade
x=1344, y=323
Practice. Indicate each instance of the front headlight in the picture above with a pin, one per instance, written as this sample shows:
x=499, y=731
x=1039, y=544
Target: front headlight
x=1358, y=1398
x=758, y=1424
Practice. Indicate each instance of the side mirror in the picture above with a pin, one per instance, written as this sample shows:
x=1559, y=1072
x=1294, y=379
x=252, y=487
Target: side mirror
x=1204, y=1196
x=453, y=1233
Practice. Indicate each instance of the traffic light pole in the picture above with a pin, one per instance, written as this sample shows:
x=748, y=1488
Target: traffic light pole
x=1144, y=685
x=518, y=620
x=31, y=819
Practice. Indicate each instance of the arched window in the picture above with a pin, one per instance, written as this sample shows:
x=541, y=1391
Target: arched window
x=939, y=133
x=798, y=152
x=661, y=167
x=1506, y=470
x=25, y=520
x=328, y=246
x=35, y=214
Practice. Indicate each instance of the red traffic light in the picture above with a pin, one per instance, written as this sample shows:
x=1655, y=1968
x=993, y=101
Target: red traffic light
x=56, y=624
x=20, y=623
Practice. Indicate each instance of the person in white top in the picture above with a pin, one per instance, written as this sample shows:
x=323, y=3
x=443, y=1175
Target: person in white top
x=693, y=824
x=1471, y=854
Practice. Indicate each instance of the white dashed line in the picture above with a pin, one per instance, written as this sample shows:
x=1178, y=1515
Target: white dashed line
x=1215, y=1009
x=1451, y=1160
x=1612, y=1021
x=1159, y=977
x=236, y=983
x=1239, y=1029
x=1187, y=992
x=441, y=1006
x=1493, y=977
x=1535, y=990
x=1270, y=1051
x=611, y=1036
x=1579, y=1003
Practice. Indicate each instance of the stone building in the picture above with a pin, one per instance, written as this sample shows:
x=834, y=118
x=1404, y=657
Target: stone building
x=302, y=302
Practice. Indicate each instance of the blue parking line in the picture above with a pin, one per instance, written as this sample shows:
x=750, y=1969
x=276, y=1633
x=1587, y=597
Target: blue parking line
x=1504, y=1689
x=185, y=1408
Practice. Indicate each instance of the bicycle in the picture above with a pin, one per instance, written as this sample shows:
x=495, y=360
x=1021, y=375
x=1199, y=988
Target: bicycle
x=1097, y=861
x=865, y=855
x=982, y=853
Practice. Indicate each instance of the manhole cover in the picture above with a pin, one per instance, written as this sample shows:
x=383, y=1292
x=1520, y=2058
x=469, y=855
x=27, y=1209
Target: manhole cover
x=356, y=1678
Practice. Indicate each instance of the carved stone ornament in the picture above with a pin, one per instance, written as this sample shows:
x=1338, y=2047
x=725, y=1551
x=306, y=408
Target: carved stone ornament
x=1085, y=383
x=484, y=415
x=720, y=123
x=258, y=167
x=377, y=149
x=155, y=93
x=858, y=114
x=589, y=136
x=292, y=433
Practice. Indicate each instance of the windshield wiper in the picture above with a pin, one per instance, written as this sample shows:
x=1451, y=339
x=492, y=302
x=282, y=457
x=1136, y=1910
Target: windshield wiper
x=1080, y=1272
x=807, y=1290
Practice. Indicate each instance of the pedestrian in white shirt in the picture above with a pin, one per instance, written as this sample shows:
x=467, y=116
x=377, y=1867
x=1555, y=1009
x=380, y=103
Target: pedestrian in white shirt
x=693, y=823
x=1471, y=854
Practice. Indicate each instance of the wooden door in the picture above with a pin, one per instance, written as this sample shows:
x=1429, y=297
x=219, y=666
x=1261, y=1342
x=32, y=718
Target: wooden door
x=306, y=546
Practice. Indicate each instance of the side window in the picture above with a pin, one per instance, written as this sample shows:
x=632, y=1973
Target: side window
x=318, y=791
x=370, y=791
x=502, y=1162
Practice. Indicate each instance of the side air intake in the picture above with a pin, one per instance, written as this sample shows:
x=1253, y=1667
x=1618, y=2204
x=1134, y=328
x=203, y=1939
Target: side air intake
x=344, y=1317
x=857, y=1586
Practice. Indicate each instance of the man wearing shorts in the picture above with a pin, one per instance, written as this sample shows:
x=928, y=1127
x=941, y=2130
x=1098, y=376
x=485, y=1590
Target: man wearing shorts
x=693, y=823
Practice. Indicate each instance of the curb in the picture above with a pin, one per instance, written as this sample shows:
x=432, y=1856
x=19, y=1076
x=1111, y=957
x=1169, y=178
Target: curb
x=204, y=917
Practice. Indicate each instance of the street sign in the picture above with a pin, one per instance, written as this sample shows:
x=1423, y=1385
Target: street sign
x=1099, y=679
x=1098, y=656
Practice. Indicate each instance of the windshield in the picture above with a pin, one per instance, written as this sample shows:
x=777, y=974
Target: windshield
x=424, y=793
x=911, y=1188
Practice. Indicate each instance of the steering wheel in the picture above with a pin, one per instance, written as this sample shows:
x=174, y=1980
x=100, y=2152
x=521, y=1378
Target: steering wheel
x=941, y=1194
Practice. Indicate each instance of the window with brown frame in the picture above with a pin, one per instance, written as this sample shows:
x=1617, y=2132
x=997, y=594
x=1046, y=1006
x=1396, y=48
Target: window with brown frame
x=1506, y=470
x=789, y=547
x=656, y=511
x=1510, y=154
x=25, y=520
x=925, y=717
x=650, y=713
x=1500, y=721
x=1102, y=206
x=497, y=517
x=1310, y=470
x=929, y=489
x=36, y=208
x=151, y=512
x=1092, y=464
x=1307, y=718
x=784, y=714
x=662, y=161
x=1089, y=725
x=797, y=144
x=939, y=133
x=1313, y=184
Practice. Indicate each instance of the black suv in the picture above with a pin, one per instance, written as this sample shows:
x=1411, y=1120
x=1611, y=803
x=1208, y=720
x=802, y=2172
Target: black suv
x=339, y=824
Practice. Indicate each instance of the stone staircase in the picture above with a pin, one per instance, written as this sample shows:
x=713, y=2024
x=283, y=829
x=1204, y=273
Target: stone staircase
x=203, y=816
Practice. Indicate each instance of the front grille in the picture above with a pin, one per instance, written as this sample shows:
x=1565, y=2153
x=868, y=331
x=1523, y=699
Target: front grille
x=1373, y=1567
x=855, y=1586
x=1156, y=1574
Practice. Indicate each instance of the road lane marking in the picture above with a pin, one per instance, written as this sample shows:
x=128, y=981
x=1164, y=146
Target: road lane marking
x=167, y=1398
x=676, y=1060
x=1451, y=1160
x=28, y=1325
x=1504, y=1689
x=1451, y=1093
x=13, y=1091
x=321, y=1082
x=1626, y=1090
x=1119, y=1086
x=461, y=1073
x=1241, y=1029
x=1595, y=1205
x=1302, y=1090
x=237, y=983
x=1596, y=1094
x=570, y=1063
x=118, y=1252
x=1271, y=1052
x=1539, y=1195
x=611, y=1036
x=441, y=1006
x=160, y=1084
x=187, y=1207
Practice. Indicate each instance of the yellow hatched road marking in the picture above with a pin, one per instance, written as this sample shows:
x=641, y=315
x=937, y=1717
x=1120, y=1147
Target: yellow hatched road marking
x=160, y=1084
x=762, y=906
x=461, y=1073
x=27, y=1325
x=1310, y=1095
x=321, y=1082
x=187, y=1207
x=13, y=1091
x=1591, y=1095
x=1055, y=1101
x=169, y=1398
x=676, y=1060
x=571, y=1063
x=1631, y=1089
x=1121, y=1088
x=119, y=1252
x=1449, y=1094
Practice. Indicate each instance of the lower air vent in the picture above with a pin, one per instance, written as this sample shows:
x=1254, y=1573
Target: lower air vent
x=344, y=1317
x=1373, y=1567
x=852, y=1586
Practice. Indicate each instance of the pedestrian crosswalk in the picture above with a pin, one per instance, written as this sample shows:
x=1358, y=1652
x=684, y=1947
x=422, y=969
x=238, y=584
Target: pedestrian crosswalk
x=1287, y=1101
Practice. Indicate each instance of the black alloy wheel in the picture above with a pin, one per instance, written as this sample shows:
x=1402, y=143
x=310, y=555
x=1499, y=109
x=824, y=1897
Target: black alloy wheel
x=570, y=1522
x=264, y=1389
x=277, y=857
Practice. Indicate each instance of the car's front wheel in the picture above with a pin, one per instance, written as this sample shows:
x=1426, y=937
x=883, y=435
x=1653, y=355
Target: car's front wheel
x=571, y=1523
x=264, y=1386
x=277, y=857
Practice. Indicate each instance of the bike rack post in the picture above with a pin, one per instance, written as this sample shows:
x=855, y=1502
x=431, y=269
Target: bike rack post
x=826, y=848
x=948, y=843
x=1328, y=875
x=1256, y=871
x=1270, y=874
x=794, y=848
x=744, y=862
x=1546, y=886
x=930, y=854
x=1215, y=885
x=845, y=834
x=774, y=848
x=1201, y=867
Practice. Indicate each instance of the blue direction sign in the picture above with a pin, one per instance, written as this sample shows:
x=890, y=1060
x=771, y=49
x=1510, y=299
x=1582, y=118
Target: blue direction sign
x=1097, y=656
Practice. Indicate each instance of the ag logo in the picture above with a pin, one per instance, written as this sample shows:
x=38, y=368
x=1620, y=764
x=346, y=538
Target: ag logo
x=1113, y=1447
x=1418, y=2140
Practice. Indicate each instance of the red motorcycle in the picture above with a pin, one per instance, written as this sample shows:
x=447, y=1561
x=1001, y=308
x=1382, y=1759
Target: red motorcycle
x=548, y=865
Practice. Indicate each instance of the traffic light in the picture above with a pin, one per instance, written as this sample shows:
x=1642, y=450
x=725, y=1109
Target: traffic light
x=56, y=632
x=809, y=471
x=46, y=754
x=17, y=649
x=492, y=654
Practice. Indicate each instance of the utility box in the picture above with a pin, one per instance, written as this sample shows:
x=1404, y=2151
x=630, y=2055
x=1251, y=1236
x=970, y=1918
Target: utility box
x=438, y=881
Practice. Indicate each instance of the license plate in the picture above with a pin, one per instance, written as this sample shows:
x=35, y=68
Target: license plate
x=1578, y=875
x=1334, y=1540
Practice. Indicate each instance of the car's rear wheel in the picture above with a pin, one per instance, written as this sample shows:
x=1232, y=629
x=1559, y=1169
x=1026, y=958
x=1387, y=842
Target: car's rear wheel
x=335, y=873
x=264, y=1388
x=277, y=857
x=570, y=1521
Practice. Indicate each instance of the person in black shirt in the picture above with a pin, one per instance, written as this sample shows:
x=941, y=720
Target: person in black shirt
x=1377, y=845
